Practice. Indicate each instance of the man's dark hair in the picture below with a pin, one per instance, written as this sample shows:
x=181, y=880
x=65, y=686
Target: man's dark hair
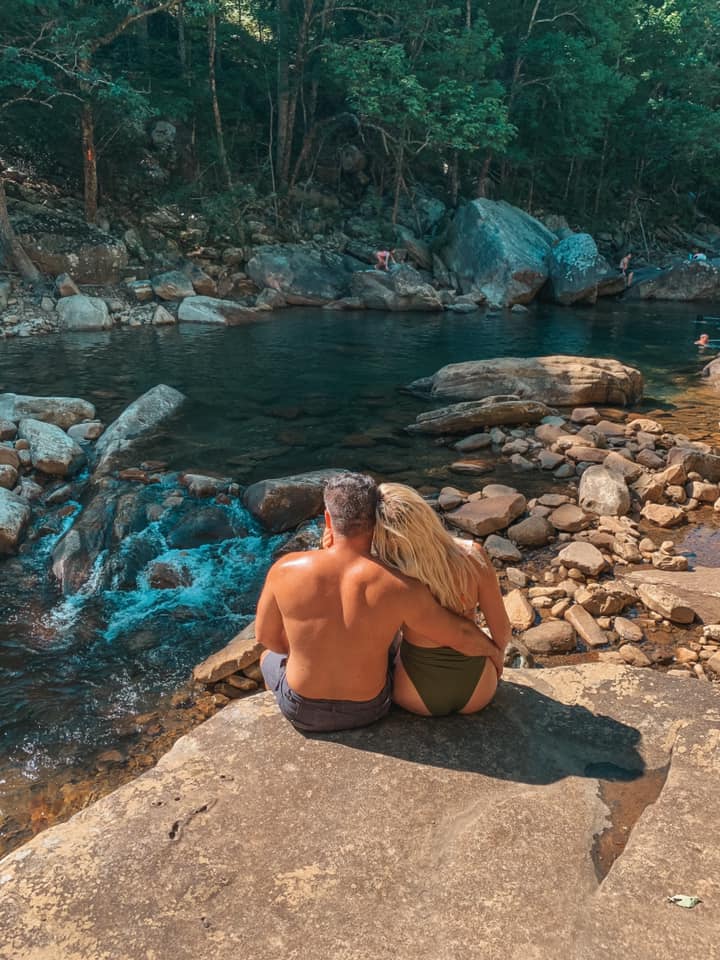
x=351, y=499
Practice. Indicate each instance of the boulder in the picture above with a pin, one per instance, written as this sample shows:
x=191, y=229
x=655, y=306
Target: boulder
x=52, y=451
x=282, y=503
x=690, y=280
x=697, y=589
x=418, y=251
x=173, y=285
x=577, y=271
x=605, y=599
x=667, y=603
x=585, y=626
x=400, y=289
x=14, y=517
x=556, y=380
x=140, y=419
x=603, y=492
x=483, y=517
x=242, y=651
x=211, y=310
x=62, y=411
x=80, y=312
x=553, y=636
x=8, y=476
x=584, y=557
x=305, y=276
x=466, y=803
x=626, y=468
x=499, y=251
x=531, y=532
x=463, y=417
x=569, y=519
x=520, y=612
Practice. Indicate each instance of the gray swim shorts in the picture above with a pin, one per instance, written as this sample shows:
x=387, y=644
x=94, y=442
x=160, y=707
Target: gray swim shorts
x=321, y=716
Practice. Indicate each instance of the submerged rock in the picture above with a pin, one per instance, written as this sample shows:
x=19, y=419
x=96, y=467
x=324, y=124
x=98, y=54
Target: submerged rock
x=135, y=423
x=499, y=251
x=14, y=517
x=464, y=417
x=281, y=503
x=556, y=380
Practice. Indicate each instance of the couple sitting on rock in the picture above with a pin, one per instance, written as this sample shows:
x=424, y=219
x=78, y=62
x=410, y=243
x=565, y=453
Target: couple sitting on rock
x=331, y=619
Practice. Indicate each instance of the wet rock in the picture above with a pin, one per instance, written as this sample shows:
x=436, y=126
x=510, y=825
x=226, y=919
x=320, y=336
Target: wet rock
x=14, y=517
x=305, y=276
x=476, y=441
x=577, y=271
x=520, y=612
x=486, y=516
x=281, y=503
x=663, y=516
x=498, y=548
x=62, y=411
x=173, y=285
x=634, y=656
x=472, y=467
x=401, y=289
x=52, y=451
x=79, y=312
x=162, y=575
x=532, y=532
x=556, y=380
x=499, y=251
x=569, y=518
x=584, y=625
x=663, y=601
x=583, y=557
x=603, y=492
x=199, y=485
x=211, y=310
x=86, y=432
x=201, y=525
x=553, y=636
x=140, y=419
x=462, y=417
x=242, y=651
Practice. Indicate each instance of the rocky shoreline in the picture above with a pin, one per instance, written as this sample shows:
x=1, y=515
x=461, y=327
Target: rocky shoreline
x=592, y=569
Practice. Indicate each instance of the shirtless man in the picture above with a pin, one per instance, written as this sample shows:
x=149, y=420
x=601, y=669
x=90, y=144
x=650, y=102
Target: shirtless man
x=328, y=618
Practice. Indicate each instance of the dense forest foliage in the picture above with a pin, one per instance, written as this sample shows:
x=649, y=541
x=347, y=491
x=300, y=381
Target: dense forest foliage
x=597, y=110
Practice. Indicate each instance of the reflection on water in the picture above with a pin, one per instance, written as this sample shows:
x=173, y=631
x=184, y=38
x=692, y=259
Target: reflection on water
x=308, y=389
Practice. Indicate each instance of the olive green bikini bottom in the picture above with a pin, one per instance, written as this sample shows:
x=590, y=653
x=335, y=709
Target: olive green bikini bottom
x=444, y=678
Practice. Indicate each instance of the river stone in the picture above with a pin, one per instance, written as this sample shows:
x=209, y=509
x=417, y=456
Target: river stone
x=450, y=498
x=628, y=630
x=586, y=454
x=9, y=457
x=137, y=421
x=583, y=557
x=476, y=441
x=461, y=417
x=281, y=503
x=663, y=516
x=520, y=612
x=622, y=465
x=634, y=656
x=162, y=317
x=486, y=516
x=605, y=599
x=499, y=251
x=305, y=276
x=553, y=636
x=577, y=270
x=14, y=516
x=87, y=431
x=498, y=548
x=603, y=492
x=585, y=626
x=698, y=588
x=80, y=312
x=695, y=461
x=8, y=476
x=137, y=852
x=62, y=411
x=8, y=429
x=203, y=524
x=400, y=289
x=52, y=451
x=199, y=485
x=556, y=380
x=211, y=310
x=242, y=651
x=472, y=467
x=173, y=285
x=569, y=518
x=663, y=601
x=534, y=531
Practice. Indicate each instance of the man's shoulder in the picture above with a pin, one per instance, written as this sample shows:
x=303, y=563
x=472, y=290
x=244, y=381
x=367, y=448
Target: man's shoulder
x=299, y=560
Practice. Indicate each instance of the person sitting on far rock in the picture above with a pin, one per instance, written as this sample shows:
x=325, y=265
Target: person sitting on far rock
x=625, y=267
x=328, y=619
x=431, y=678
x=383, y=258
x=697, y=255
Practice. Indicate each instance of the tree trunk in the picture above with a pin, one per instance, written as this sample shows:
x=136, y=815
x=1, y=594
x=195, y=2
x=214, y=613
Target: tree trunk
x=182, y=44
x=10, y=243
x=87, y=122
x=212, y=44
x=283, y=85
x=398, y=177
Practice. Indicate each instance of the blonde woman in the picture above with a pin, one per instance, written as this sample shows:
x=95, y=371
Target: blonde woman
x=429, y=679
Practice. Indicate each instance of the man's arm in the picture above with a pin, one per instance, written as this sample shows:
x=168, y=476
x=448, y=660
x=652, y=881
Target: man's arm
x=269, y=628
x=423, y=613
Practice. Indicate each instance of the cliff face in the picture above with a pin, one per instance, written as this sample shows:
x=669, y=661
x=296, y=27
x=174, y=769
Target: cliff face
x=481, y=837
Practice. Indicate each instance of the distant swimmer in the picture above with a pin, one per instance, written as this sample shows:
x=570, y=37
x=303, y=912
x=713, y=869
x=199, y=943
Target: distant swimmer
x=705, y=341
x=383, y=258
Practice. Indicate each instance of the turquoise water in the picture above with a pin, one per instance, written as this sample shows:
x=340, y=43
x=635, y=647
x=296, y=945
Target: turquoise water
x=307, y=389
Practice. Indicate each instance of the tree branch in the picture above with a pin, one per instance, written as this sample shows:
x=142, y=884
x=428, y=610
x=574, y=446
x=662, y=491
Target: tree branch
x=130, y=19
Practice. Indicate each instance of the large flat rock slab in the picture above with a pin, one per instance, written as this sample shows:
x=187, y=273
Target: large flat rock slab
x=462, y=837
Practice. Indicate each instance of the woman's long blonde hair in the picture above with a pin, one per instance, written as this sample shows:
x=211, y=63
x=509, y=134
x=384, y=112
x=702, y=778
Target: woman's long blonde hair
x=410, y=536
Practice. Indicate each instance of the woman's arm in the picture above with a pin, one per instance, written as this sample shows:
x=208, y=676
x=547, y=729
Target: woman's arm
x=490, y=600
